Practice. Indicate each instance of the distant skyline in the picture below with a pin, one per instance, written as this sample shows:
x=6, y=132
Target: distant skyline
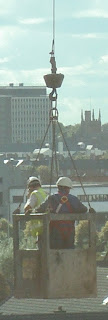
x=81, y=51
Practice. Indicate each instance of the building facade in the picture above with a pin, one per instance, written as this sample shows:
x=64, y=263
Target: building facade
x=24, y=114
x=5, y=119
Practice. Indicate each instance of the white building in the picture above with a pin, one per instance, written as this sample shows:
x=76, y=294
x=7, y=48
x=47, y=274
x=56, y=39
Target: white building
x=28, y=110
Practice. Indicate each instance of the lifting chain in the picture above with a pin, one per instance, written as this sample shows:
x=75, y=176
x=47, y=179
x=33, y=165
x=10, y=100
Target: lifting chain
x=53, y=94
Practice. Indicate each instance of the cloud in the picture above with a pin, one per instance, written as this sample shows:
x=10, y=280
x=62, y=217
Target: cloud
x=7, y=7
x=89, y=35
x=70, y=110
x=3, y=60
x=10, y=33
x=6, y=35
x=30, y=21
x=78, y=69
x=97, y=13
x=104, y=59
x=28, y=77
x=35, y=76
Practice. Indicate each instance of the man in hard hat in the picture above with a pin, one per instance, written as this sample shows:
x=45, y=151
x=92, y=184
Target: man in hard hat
x=36, y=195
x=62, y=233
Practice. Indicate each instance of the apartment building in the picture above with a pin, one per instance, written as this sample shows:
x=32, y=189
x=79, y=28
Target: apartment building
x=24, y=114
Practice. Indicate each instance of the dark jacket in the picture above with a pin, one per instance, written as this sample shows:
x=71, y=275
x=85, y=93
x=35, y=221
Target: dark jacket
x=51, y=203
x=62, y=203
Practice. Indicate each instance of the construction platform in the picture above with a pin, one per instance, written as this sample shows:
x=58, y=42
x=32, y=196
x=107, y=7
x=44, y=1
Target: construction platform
x=76, y=309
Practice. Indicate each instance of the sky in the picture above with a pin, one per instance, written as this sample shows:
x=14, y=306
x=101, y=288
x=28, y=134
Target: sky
x=80, y=31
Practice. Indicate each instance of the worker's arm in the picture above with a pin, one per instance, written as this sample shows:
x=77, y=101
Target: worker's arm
x=44, y=206
x=27, y=209
x=78, y=206
x=82, y=208
x=30, y=204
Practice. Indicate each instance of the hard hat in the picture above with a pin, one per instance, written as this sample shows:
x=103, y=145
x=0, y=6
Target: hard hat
x=33, y=180
x=64, y=182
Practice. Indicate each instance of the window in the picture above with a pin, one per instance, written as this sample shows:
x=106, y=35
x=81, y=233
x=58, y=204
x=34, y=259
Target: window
x=18, y=199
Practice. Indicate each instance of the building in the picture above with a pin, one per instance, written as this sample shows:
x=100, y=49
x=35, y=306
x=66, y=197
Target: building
x=24, y=114
x=5, y=119
x=90, y=127
x=11, y=176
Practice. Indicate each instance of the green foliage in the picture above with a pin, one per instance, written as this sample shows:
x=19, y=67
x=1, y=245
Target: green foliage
x=6, y=258
x=104, y=233
x=27, y=230
x=82, y=234
x=4, y=288
x=44, y=173
x=6, y=249
x=80, y=155
x=70, y=130
x=103, y=237
x=26, y=239
x=5, y=227
x=105, y=127
x=28, y=243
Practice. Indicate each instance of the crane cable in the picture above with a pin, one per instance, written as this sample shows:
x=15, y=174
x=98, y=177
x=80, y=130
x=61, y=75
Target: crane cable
x=54, y=26
x=53, y=119
x=53, y=63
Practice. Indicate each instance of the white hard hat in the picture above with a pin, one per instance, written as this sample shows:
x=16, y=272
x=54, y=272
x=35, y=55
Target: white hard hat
x=33, y=179
x=64, y=182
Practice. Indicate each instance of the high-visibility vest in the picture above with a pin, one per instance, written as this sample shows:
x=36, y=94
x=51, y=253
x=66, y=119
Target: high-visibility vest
x=36, y=226
x=40, y=196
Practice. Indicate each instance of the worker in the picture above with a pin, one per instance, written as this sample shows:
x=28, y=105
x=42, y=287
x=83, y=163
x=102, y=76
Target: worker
x=36, y=195
x=62, y=233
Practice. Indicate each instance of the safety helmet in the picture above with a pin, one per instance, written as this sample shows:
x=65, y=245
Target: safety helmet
x=33, y=181
x=64, y=182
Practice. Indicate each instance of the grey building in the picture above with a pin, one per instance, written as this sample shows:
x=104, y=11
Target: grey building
x=24, y=114
x=5, y=119
x=10, y=177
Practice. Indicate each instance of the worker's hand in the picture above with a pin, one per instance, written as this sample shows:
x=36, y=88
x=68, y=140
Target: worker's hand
x=16, y=211
x=91, y=210
x=27, y=212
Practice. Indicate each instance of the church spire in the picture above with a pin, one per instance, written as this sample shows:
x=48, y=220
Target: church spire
x=93, y=115
x=82, y=115
x=99, y=115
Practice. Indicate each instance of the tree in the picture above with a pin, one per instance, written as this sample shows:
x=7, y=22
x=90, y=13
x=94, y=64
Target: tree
x=44, y=173
x=4, y=288
x=103, y=237
x=6, y=250
x=6, y=228
x=82, y=233
x=6, y=259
